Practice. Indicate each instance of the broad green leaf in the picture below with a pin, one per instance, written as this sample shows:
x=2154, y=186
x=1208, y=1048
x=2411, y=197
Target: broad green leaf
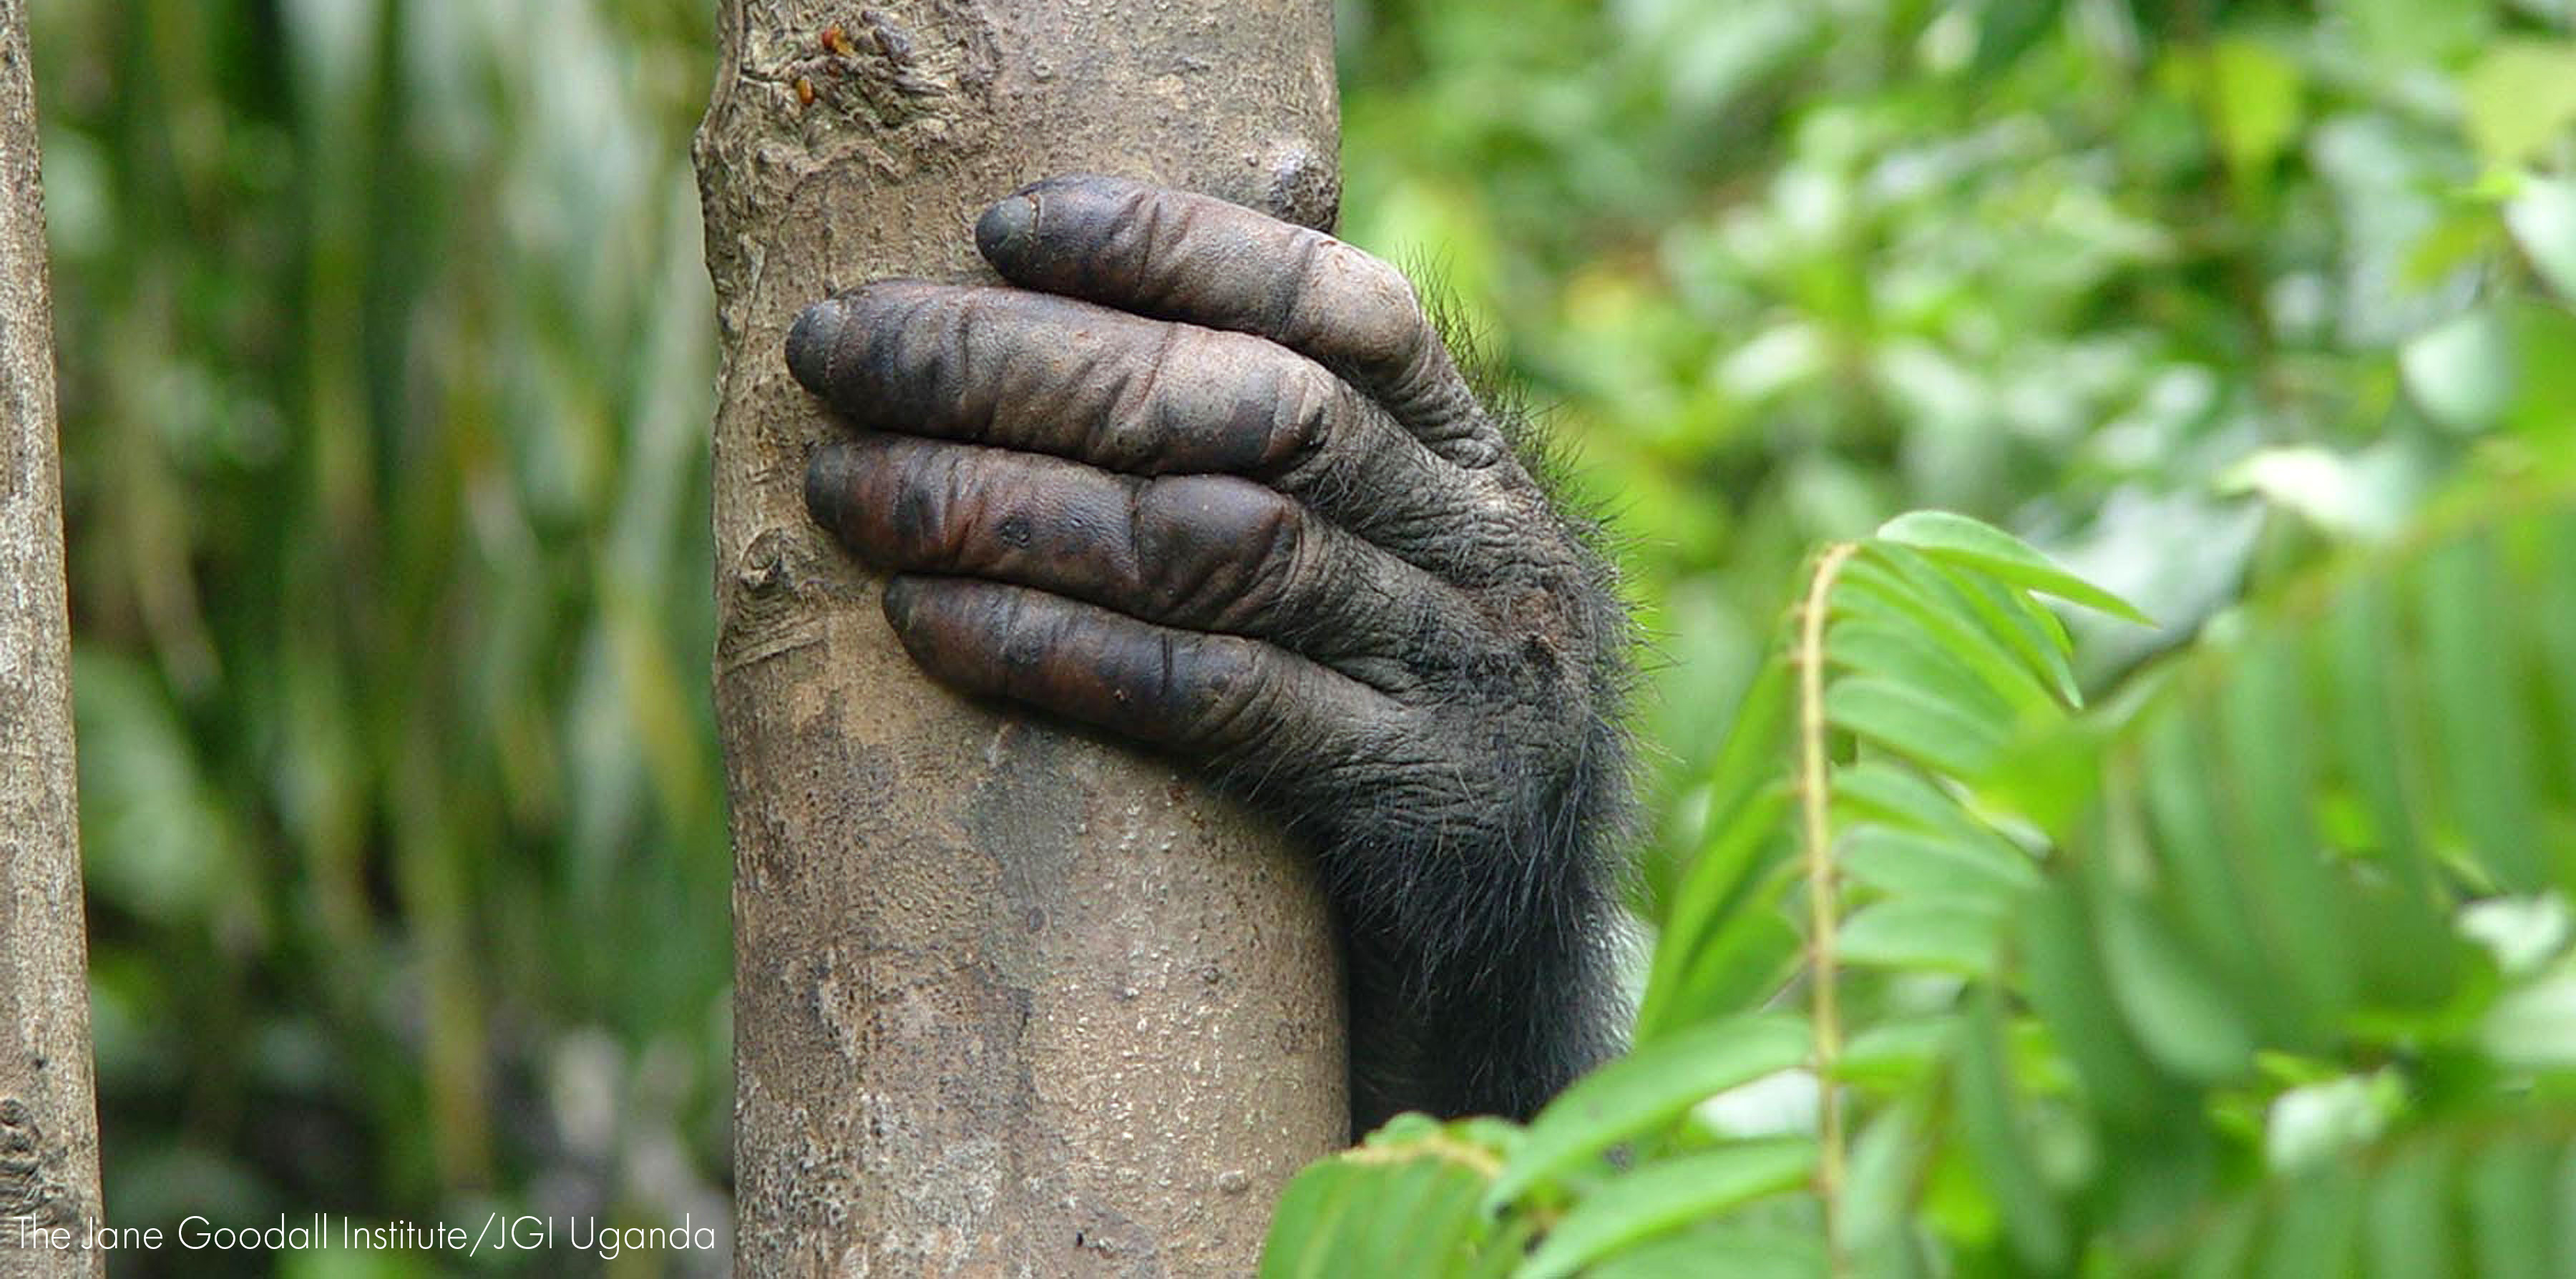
x=2062, y=977
x=2512, y=1189
x=2485, y=752
x=2542, y=217
x=2222, y=1249
x=1405, y=1202
x=2316, y=1226
x=2007, y=621
x=2407, y=1227
x=2533, y=1027
x=2036, y=632
x=1952, y=935
x=2417, y=31
x=2033, y=1220
x=2369, y=694
x=1874, y=586
x=2255, y=103
x=1875, y=789
x=2178, y=1012
x=1916, y=723
x=1739, y=850
x=2462, y=372
x=2552, y=602
x=1723, y=917
x=2298, y=907
x=1736, y=1250
x=1886, y=1164
x=1893, y=1053
x=1664, y=1196
x=1739, y=967
x=1645, y=1090
x=2201, y=863
x=1917, y=863
x=1960, y=540
x=2312, y=1123
x=1979, y=601
x=1756, y=751
x=1911, y=658
x=2520, y=97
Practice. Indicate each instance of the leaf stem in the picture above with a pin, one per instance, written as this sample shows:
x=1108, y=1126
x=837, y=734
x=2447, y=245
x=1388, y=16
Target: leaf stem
x=1823, y=901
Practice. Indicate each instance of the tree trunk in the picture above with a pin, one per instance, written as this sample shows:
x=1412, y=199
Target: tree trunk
x=48, y=1109
x=1008, y=1000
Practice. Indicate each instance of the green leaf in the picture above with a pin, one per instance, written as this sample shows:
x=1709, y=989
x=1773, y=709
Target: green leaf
x=2299, y=908
x=2407, y=1227
x=2316, y=1229
x=2542, y=218
x=1917, y=863
x=1917, y=723
x=2368, y=690
x=1889, y=583
x=1941, y=934
x=2033, y=1221
x=2177, y=1011
x=2512, y=1191
x=2063, y=979
x=1737, y=1250
x=1909, y=657
x=1894, y=1052
x=1403, y=1203
x=1664, y=1196
x=2200, y=862
x=2462, y=372
x=1645, y=1090
x=2255, y=104
x=2485, y=747
x=1886, y=1165
x=1723, y=917
x=2001, y=616
x=2533, y=1027
x=2520, y=98
x=1960, y=540
x=1878, y=791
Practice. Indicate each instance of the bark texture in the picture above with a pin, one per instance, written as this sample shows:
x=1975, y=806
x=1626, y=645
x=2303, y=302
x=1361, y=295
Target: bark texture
x=48, y=1109
x=1009, y=1000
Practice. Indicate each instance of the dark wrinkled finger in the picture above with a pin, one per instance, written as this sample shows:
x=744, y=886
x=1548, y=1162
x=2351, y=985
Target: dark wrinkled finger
x=1198, y=259
x=1206, y=552
x=1222, y=694
x=1047, y=374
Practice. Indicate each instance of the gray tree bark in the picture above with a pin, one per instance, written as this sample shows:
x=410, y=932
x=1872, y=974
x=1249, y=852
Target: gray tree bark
x=48, y=1107
x=1008, y=1000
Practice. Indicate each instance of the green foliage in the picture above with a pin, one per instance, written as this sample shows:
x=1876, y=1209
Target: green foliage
x=2239, y=943
x=385, y=360
x=2227, y=948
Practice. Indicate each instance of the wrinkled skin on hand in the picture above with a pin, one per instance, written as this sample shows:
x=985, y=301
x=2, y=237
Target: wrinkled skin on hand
x=1213, y=483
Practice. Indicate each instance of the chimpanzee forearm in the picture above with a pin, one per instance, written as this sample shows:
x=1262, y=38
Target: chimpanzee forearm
x=1213, y=483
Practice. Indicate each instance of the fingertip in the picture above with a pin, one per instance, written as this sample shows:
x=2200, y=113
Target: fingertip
x=902, y=599
x=827, y=484
x=1007, y=230
x=810, y=341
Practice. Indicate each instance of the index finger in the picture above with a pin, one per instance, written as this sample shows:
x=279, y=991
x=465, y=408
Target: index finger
x=1197, y=259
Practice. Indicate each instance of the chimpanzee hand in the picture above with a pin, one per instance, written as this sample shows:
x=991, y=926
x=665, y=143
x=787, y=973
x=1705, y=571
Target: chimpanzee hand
x=1212, y=482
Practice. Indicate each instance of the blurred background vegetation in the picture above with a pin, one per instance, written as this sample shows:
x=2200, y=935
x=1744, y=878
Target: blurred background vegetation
x=386, y=359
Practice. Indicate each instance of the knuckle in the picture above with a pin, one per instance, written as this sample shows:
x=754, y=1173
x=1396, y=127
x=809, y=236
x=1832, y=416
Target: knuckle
x=1225, y=689
x=1383, y=323
x=1212, y=547
x=1303, y=416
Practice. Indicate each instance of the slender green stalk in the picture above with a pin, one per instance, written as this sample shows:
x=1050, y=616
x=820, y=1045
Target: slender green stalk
x=1823, y=902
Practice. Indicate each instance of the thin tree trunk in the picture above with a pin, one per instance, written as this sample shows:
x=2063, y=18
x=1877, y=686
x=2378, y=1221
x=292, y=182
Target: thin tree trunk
x=48, y=1109
x=1008, y=1000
